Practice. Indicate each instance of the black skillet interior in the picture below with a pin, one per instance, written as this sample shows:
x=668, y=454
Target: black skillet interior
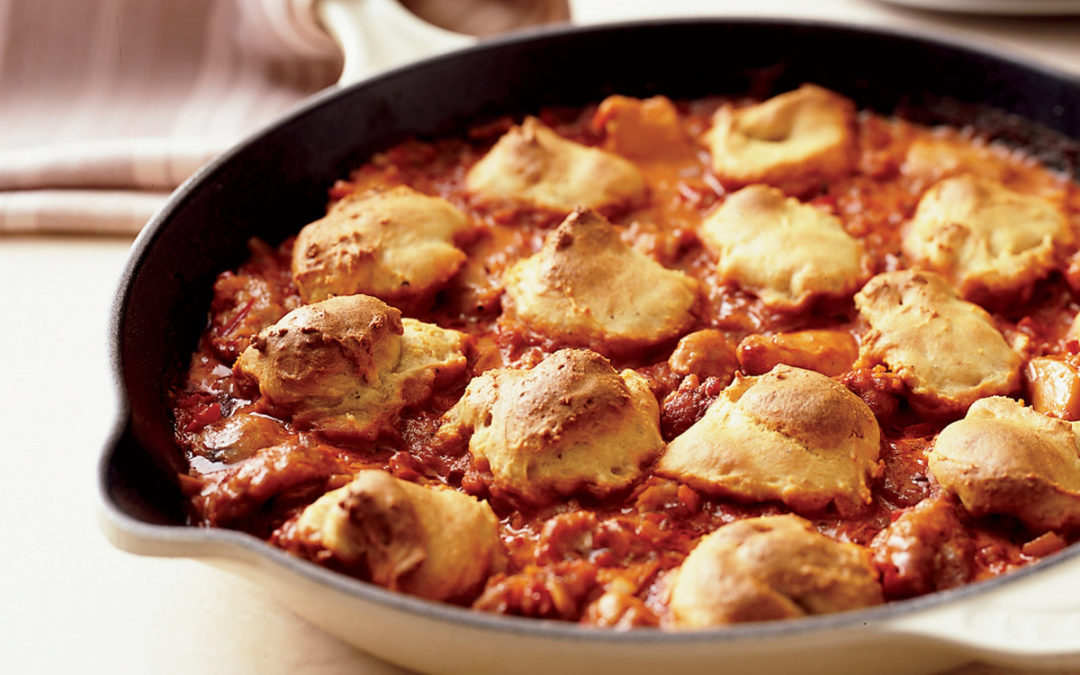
x=277, y=181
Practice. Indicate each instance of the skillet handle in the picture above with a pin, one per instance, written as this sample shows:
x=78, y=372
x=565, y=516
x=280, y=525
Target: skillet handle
x=375, y=35
x=1032, y=622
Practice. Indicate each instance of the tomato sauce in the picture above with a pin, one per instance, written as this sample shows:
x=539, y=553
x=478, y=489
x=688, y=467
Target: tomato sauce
x=605, y=561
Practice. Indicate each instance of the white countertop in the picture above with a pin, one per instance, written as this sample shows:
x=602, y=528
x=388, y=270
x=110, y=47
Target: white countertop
x=70, y=602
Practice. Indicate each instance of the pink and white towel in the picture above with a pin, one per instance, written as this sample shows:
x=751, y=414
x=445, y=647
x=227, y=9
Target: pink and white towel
x=107, y=105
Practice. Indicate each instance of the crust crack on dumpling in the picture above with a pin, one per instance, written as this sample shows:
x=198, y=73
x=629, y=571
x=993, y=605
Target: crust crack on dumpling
x=347, y=365
x=533, y=164
x=985, y=238
x=793, y=141
x=587, y=287
x=783, y=250
x=1006, y=458
x=791, y=435
x=946, y=350
x=570, y=425
x=433, y=542
x=774, y=567
x=396, y=244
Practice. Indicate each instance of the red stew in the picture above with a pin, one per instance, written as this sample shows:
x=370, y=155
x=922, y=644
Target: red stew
x=561, y=555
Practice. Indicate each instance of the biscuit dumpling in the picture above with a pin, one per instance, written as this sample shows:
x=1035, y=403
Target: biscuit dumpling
x=790, y=435
x=1006, y=458
x=347, y=365
x=946, y=350
x=570, y=425
x=433, y=542
x=587, y=287
x=795, y=140
x=534, y=165
x=398, y=245
x=985, y=238
x=774, y=567
x=784, y=251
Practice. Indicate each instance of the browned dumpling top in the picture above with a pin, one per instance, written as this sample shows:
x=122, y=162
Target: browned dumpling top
x=433, y=542
x=946, y=350
x=774, y=567
x=795, y=140
x=587, y=287
x=784, y=251
x=1006, y=458
x=349, y=364
x=985, y=238
x=570, y=425
x=791, y=435
x=533, y=164
x=396, y=244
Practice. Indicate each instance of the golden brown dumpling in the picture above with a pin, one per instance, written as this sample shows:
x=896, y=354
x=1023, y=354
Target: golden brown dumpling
x=433, y=542
x=795, y=140
x=347, y=365
x=587, y=287
x=533, y=164
x=396, y=244
x=1004, y=457
x=791, y=435
x=571, y=424
x=985, y=238
x=946, y=350
x=784, y=251
x=775, y=567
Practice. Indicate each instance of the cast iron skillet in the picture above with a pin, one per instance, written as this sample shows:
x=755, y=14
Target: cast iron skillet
x=277, y=181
